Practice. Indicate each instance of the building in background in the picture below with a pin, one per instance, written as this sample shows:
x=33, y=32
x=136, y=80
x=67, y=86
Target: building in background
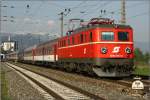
x=8, y=46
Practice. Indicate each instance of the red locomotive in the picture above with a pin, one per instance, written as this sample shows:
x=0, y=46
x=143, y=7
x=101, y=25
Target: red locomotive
x=100, y=47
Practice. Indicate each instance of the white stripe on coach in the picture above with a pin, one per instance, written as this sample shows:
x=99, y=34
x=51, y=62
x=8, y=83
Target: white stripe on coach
x=49, y=58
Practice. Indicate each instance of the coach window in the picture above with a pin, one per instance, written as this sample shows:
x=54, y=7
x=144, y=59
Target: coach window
x=123, y=36
x=46, y=51
x=91, y=37
x=107, y=36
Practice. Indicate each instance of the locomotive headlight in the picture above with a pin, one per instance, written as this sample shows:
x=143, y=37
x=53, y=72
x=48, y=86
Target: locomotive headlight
x=128, y=50
x=103, y=50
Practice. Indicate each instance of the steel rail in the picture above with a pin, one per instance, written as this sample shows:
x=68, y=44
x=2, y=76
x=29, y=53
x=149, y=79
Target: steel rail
x=92, y=96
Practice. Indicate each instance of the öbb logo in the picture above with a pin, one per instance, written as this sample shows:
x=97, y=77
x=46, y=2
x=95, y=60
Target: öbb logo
x=116, y=50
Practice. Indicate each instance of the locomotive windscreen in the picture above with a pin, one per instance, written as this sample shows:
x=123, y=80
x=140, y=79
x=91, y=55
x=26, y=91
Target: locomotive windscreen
x=123, y=36
x=109, y=36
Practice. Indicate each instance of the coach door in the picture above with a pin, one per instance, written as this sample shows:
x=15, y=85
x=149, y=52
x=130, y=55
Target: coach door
x=33, y=54
x=43, y=49
x=55, y=52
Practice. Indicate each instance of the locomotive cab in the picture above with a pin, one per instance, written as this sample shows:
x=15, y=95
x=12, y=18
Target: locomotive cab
x=113, y=50
x=101, y=47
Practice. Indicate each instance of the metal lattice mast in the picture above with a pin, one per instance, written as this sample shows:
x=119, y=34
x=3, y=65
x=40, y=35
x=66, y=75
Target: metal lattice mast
x=123, y=12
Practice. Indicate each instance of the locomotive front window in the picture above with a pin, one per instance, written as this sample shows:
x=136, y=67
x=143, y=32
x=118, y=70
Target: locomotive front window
x=123, y=36
x=108, y=36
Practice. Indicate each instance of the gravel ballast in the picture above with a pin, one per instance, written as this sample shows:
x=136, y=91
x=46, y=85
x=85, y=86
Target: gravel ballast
x=107, y=90
x=19, y=88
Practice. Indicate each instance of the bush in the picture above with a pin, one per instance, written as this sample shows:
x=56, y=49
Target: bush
x=140, y=57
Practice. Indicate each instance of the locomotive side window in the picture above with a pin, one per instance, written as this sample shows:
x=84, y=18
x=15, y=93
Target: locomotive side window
x=123, y=36
x=73, y=40
x=68, y=41
x=64, y=43
x=81, y=38
x=108, y=36
x=90, y=36
x=60, y=43
x=84, y=37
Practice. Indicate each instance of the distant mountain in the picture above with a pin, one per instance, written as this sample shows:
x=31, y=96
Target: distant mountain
x=26, y=40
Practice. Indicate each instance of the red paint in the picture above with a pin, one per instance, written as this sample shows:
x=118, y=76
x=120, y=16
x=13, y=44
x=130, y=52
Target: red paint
x=93, y=50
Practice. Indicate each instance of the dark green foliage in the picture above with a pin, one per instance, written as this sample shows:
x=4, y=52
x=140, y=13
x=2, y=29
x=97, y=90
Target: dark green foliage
x=141, y=57
x=146, y=57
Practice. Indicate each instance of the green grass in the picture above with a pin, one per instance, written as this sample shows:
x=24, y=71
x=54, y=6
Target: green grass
x=142, y=70
x=4, y=88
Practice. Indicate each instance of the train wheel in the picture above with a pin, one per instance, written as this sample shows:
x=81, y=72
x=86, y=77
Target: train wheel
x=79, y=69
x=64, y=66
x=72, y=67
x=90, y=70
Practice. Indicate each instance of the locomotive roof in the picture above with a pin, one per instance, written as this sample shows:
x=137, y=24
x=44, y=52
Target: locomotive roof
x=101, y=26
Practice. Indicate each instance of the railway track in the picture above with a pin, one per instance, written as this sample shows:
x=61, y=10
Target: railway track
x=56, y=89
x=125, y=83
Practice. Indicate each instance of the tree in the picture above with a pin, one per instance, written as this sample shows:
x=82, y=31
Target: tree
x=138, y=55
x=146, y=57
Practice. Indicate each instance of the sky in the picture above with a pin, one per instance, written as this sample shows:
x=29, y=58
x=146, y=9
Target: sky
x=41, y=16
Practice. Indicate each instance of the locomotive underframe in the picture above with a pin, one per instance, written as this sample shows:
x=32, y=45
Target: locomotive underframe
x=114, y=67
x=103, y=67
